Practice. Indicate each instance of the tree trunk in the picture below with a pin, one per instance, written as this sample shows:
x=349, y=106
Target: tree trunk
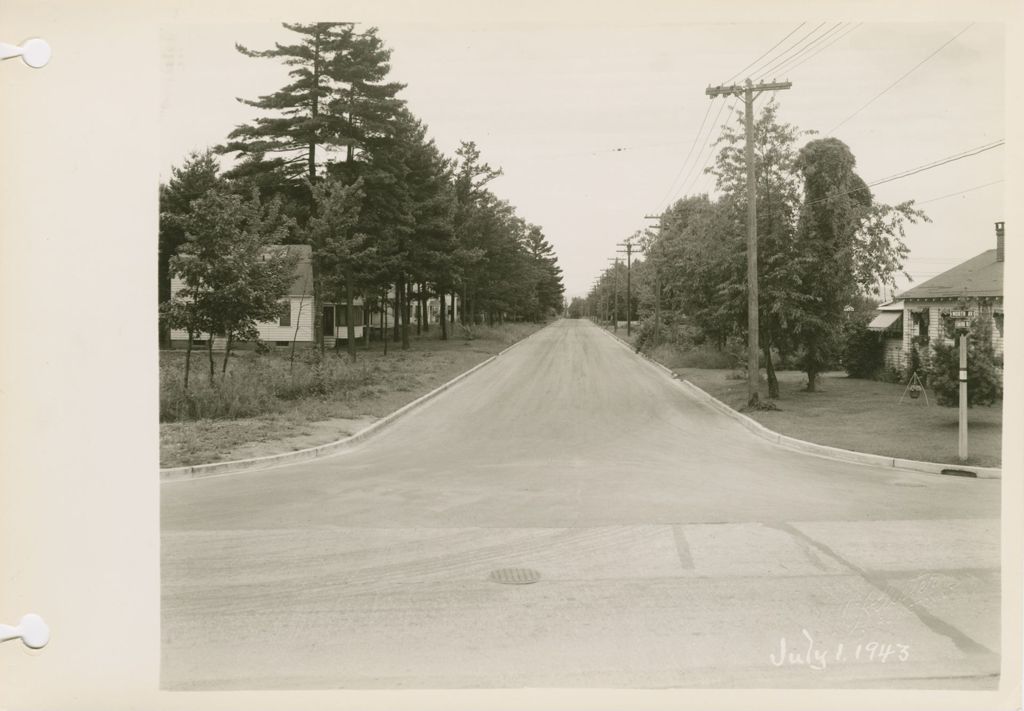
x=384, y=319
x=227, y=353
x=188, y=356
x=367, y=320
x=295, y=334
x=452, y=319
x=397, y=311
x=406, y=313
x=350, y=327
x=773, y=381
x=443, y=320
x=209, y=352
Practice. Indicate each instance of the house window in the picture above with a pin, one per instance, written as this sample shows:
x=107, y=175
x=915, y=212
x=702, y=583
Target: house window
x=920, y=320
x=285, y=315
x=998, y=318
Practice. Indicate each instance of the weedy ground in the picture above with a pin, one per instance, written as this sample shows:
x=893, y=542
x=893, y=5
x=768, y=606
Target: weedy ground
x=268, y=403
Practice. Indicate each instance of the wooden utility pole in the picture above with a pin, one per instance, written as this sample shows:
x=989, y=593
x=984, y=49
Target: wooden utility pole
x=615, y=305
x=657, y=282
x=629, y=256
x=748, y=91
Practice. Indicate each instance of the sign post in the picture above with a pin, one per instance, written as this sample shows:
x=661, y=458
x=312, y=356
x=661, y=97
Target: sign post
x=962, y=317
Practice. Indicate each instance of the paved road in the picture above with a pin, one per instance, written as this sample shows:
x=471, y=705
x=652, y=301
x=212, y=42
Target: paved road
x=675, y=549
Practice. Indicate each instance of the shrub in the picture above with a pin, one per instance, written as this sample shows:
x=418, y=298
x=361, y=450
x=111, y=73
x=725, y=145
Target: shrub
x=984, y=382
x=863, y=353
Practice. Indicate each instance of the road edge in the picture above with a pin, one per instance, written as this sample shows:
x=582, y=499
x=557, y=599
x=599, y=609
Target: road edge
x=792, y=443
x=238, y=466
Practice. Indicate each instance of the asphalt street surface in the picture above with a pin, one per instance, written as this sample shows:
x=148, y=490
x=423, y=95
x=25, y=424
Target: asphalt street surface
x=673, y=548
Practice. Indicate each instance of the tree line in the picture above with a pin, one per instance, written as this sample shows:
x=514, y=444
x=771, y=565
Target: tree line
x=825, y=246
x=338, y=162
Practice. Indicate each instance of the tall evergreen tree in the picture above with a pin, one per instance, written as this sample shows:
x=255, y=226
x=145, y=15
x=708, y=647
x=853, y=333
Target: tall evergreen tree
x=336, y=102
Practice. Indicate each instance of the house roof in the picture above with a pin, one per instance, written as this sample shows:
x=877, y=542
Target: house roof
x=979, y=276
x=302, y=285
x=891, y=306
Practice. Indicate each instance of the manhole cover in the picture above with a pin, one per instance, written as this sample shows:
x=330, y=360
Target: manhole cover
x=514, y=576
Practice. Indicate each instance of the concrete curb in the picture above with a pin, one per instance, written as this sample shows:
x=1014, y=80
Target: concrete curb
x=821, y=450
x=198, y=471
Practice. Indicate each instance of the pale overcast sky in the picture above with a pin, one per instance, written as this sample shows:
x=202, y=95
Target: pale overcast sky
x=551, y=105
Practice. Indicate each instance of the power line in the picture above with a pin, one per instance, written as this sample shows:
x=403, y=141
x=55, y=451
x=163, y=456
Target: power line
x=968, y=190
x=794, y=46
x=838, y=37
x=914, y=171
x=904, y=76
x=941, y=161
x=688, y=184
x=795, y=51
x=697, y=158
x=817, y=42
x=825, y=40
x=730, y=79
x=693, y=145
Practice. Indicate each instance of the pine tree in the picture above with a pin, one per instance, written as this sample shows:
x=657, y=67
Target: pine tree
x=337, y=105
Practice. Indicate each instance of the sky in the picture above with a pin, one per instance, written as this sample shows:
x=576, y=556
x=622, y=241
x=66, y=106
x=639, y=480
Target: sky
x=596, y=125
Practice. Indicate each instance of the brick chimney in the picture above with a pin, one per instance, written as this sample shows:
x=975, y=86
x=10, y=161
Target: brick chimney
x=999, y=241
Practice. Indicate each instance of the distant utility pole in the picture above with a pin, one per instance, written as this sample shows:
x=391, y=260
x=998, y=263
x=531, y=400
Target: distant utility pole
x=657, y=283
x=615, y=305
x=629, y=256
x=748, y=91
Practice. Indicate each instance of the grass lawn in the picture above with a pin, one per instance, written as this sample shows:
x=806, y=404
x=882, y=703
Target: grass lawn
x=864, y=416
x=265, y=406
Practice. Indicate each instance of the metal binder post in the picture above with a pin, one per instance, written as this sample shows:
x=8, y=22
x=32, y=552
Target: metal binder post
x=34, y=52
x=32, y=631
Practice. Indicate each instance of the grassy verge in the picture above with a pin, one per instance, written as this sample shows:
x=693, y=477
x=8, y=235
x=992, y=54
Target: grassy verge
x=859, y=415
x=264, y=404
x=862, y=415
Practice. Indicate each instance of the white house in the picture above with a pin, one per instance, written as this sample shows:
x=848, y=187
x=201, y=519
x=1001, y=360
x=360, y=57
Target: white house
x=295, y=321
x=921, y=316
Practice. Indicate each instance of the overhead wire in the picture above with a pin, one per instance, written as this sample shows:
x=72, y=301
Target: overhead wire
x=693, y=145
x=841, y=35
x=962, y=192
x=914, y=171
x=764, y=54
x=697, y=138
x=796, y=52
x=902, y=77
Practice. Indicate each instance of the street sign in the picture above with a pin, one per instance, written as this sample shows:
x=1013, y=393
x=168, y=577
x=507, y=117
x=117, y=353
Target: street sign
x=961, y=313
x=963, y=324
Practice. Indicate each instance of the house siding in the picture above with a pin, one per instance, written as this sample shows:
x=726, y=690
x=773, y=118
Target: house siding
x=301, y=328
x=893, y=353
x=936, y=324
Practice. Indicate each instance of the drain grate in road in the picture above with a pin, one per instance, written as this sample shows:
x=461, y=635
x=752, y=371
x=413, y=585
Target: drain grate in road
x=960, y=472
x=514, y=576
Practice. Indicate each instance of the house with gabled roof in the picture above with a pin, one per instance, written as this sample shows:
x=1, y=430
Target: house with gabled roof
x=295, y=321
x=925, y=318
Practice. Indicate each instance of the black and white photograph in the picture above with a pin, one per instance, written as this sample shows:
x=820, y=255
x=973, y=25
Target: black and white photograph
x=598, y=352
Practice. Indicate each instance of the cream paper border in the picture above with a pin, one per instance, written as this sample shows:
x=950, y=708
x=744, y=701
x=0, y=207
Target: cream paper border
x=79, y=511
